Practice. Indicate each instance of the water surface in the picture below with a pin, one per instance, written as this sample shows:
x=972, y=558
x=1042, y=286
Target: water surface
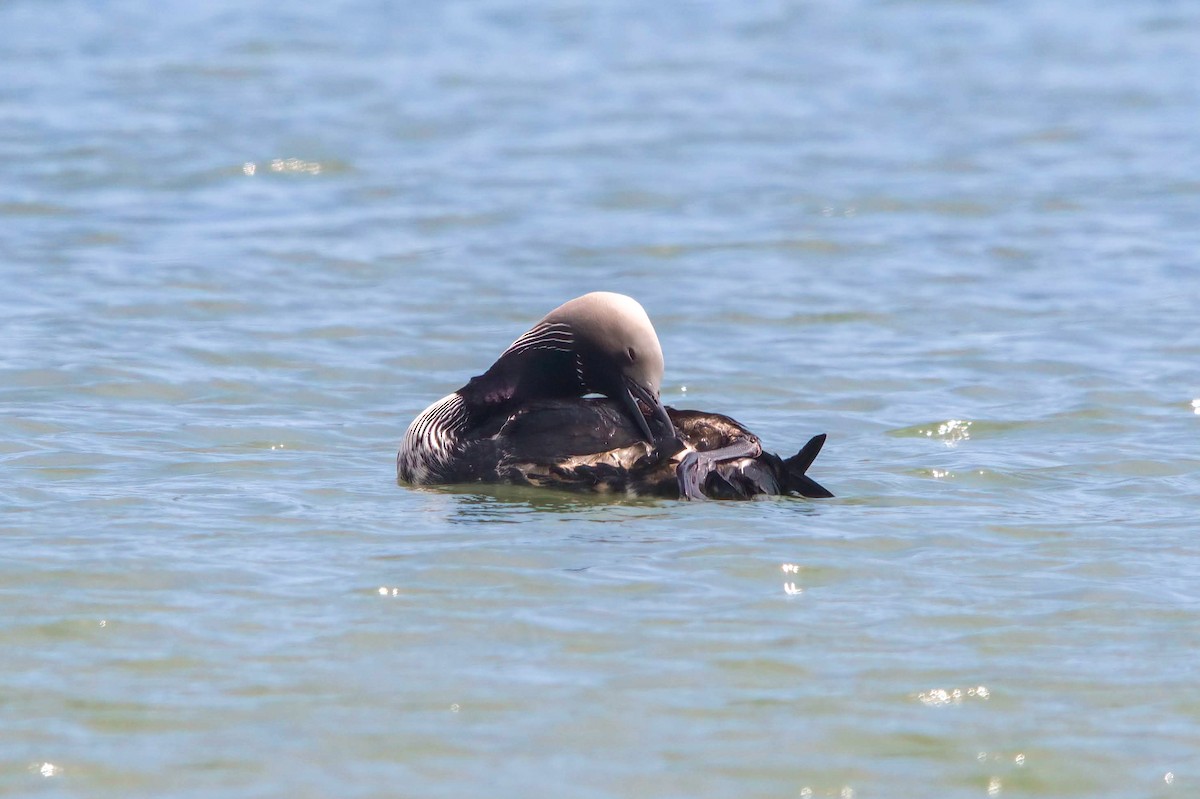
x=242, y=247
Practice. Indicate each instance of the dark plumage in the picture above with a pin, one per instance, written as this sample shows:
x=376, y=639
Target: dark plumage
x=590, y=444
x=526, y=420
x=600, y=343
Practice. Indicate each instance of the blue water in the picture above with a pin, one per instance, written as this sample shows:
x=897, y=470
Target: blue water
x=242, y=246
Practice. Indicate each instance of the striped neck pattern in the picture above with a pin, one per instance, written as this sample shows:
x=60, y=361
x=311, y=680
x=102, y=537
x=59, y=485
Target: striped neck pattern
x=431, y=439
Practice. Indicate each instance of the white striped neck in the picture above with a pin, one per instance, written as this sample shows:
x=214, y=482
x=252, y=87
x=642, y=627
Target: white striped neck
x=430, y=442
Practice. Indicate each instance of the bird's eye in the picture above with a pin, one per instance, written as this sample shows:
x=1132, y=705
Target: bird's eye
x=632, y=355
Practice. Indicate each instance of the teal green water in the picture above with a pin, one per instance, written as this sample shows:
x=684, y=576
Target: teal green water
x=243, y=247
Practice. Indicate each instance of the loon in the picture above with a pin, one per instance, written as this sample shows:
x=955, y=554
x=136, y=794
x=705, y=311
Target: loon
x=526, y=420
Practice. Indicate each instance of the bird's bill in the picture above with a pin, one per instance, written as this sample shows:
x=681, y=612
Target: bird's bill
x=636, y=393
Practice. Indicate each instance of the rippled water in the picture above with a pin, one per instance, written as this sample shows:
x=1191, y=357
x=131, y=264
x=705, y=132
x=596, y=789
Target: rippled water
x=242, y=247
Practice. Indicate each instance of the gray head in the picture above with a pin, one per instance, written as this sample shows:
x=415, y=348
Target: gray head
x=617, y=352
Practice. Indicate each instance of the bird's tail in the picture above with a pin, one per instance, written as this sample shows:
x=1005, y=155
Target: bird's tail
x=796, y=466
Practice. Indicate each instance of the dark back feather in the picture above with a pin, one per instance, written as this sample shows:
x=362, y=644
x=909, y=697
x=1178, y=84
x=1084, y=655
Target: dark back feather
x=590, y=444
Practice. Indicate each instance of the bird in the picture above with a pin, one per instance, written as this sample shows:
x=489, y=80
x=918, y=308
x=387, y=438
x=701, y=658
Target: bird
x=528, y=419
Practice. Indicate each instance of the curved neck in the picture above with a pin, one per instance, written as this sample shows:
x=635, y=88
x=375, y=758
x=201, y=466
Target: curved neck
x=525, y=375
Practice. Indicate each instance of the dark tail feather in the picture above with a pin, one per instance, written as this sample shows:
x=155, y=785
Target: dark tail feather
x=798, y=464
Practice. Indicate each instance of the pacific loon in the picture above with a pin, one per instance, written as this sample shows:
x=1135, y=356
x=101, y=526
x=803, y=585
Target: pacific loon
x=526, y=420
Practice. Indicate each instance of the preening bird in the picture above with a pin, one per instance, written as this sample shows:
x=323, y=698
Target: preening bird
x=527, y=419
